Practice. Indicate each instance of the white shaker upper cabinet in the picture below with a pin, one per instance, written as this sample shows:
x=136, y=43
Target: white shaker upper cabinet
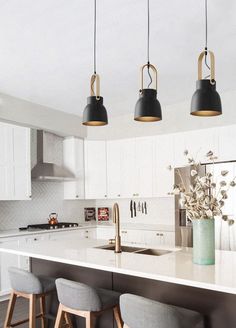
x=95, y=169
x=73, y=159
x=227, y=143
x=21, y=163
x=6, y=160
x=163, y=173
x=143, y=184
x=15, y=170
x=128, y=168
x=198, y=143
x=114, y=169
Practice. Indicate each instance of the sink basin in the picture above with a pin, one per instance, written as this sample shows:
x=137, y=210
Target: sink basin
x=137, y=250
x=155, y=252
x=127, y=249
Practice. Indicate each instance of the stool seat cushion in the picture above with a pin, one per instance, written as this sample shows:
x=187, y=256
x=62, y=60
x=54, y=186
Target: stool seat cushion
x=82, y=297
x=28, y=283
x=139, y=312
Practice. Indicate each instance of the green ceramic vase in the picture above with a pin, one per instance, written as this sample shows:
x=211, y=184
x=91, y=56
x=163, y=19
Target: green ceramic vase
x=204, y=241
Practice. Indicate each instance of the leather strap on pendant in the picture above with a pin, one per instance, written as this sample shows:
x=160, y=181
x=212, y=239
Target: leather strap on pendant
x=212, y=58
x=95, y=78
x=154, y=71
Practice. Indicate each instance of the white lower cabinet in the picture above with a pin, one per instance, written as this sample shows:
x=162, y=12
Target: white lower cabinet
x=163, y=238
x=8, y=260
x=89, y=233
x=141, y=237
x=105, y=233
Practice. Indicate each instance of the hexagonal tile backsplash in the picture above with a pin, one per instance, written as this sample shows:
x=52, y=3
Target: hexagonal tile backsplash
x=47, y=197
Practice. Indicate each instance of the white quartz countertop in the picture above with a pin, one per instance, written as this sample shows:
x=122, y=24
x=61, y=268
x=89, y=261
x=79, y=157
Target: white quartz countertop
x=175, y=267
x=85, y=225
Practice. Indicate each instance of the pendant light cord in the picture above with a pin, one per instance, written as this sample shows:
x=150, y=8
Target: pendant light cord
x=95, y=37
x=148, y=43
x=206, y=36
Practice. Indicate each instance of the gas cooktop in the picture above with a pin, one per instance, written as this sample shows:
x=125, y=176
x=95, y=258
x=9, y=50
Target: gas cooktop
x=60, y=225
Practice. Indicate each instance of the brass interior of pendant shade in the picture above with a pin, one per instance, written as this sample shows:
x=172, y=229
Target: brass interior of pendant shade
x=94, y=123
x=147, y=118
x=205, y=113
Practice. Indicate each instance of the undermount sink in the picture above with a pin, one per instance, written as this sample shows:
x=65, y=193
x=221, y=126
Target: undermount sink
x=137, y=250
x=155, y=252
x=127, y=249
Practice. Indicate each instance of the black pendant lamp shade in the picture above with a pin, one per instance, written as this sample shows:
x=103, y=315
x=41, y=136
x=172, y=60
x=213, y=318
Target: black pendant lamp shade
x=148, y=108
x=206, y=100
x=95, y=113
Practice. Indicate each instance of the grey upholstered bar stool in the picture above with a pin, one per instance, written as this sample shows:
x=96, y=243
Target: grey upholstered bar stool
x=84, y=301
x=32, y=287
x=139, y=312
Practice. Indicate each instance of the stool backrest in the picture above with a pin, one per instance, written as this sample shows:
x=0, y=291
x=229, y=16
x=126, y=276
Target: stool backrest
x=77, y=296
x=139, y=312
x=24, y=281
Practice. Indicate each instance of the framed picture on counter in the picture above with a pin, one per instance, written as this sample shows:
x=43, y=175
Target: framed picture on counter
x=103, y=214
x=90, y=213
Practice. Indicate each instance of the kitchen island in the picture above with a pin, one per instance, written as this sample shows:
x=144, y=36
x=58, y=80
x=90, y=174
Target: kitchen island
x=171, y=278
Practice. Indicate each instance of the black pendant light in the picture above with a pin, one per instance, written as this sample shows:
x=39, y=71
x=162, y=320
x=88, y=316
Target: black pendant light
x=206, y=100
x=95, y=113
x=148, y=108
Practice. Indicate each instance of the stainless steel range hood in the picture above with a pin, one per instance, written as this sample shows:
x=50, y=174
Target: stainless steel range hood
x=45, y=169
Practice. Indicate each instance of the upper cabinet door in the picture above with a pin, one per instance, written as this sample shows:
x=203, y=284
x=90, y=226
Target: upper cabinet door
x=227, y=143
x=143, y=184
x=15, y=169
x=95, y=170
x=128, y=169
x=21, y=163
x=114, y=169
x=198, y=143
x=73, y=160
x=6, y=160
x=163, y=174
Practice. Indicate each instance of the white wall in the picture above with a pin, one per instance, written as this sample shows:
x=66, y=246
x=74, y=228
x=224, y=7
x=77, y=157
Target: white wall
x=159, y=210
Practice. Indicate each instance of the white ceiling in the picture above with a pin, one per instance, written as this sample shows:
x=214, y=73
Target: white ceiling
x=46, y=49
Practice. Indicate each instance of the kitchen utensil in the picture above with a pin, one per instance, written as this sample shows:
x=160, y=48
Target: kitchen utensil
x=131, y=209
x=135, y=214
x=139, y=206
x=145, y=207
x=142, y=208
x=53, y=218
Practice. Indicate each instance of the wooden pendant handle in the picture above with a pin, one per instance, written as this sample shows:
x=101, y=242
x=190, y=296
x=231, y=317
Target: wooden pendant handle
x=154, y=71
x=95, y=78
x=212, y=58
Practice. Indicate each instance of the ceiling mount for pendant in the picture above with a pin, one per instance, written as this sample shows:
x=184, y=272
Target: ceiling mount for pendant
x=95, y=113
x=148, y=108
x=206, y=100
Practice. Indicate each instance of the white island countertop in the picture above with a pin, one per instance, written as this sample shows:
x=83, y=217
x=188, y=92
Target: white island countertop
x=175, y=267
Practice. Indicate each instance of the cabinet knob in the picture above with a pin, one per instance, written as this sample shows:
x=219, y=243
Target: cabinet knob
x=77, y=196
x=158, y=234
x=105, y=195
x=30, y=196
x=118, y=195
